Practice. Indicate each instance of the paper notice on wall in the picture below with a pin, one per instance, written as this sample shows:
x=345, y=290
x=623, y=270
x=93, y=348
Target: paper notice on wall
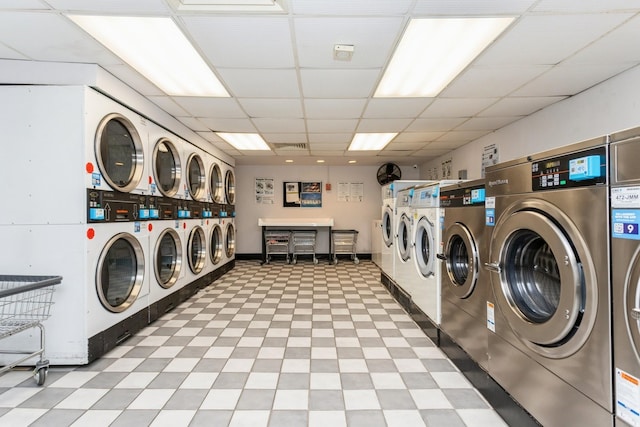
x=292, y=192
x=344, y=191
x=489, y=157
x=264, y=191
x=357, y=191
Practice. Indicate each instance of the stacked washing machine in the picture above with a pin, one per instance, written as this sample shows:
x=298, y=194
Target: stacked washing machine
x=465, y=283
x=550, y=311
x=404, y=272
x=625, y=267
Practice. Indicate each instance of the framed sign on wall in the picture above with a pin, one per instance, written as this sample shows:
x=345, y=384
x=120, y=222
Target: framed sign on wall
x=302, y=194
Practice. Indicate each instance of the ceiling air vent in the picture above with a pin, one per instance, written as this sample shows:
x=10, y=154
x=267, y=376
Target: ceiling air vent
x=285, y=146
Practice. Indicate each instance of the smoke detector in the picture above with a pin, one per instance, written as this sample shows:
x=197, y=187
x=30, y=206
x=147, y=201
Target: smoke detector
x=343, y=52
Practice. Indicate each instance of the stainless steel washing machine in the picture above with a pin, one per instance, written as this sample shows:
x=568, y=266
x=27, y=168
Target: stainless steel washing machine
x=625, y=274
x=464, y=280
x=550, y=309
x=404, y=271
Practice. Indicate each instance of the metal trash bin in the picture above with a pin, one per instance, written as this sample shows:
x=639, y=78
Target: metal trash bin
x=344, y=242
x=277, y=243
x=304, y=243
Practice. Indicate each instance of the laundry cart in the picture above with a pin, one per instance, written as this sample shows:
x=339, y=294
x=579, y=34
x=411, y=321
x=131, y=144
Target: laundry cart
x=25, y=301
x=344, y=242
x=304, y=243
x=277, y=243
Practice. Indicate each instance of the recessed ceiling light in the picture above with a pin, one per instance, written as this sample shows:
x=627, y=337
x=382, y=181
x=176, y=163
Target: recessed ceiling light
x=370, y=141
x=244, y=141
x=433, y=52
x=352, y=161
x=319, y=161
x=288, y=161
x=158, y=50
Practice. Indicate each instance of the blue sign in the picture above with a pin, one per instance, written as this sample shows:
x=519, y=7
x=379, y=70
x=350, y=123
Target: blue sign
x=625, y=224
x=490, y=217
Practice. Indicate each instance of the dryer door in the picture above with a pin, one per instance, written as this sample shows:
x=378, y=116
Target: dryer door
x=387, y=226
x=196, y=249
x=215, y=184
x=168, y=258
x=120, y=272
x=230, y=187
x=195, y=176
x=119, y=152
x=462, y=259
x=424, y=246
x=166, y=167
x=230, y=240
x=541, y=288
x=215, y=245
x=632, y=299
x=404, y=237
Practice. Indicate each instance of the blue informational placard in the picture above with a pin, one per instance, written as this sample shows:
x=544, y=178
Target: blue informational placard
x=490, y=216
x=625, y=224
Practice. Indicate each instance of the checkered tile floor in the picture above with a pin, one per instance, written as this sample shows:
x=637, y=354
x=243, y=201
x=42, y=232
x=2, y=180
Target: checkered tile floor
x=274, y=345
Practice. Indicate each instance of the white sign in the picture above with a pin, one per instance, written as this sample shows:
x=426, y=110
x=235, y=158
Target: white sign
x=625, y=197
x=491, y=316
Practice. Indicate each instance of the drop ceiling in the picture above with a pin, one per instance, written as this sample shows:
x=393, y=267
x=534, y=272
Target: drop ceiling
x=286, y=85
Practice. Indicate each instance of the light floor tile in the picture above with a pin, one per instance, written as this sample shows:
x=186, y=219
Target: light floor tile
x=249, y=419
x=166, y=352
x=360, y=400
x=221, y=399
x=296, y=365
x=262, y=380
x=481, y=418
x=137, y=380
x=97, y=418
x=403, y=418
x=199, y=380
x=327, y=418
x=184, y=364
x=271, y=353
x=21, y=417
x=291, y=399
x=173, y=418
x=325, y=381
x=430, y=399
x=74, y=379
x=219, y=353
x=238, y=365
x=83, y=398
x=391, y=380
x=152, y=399
x=450, y=380
x=124, y=365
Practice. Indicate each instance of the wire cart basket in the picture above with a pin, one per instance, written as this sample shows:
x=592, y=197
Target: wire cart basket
x=304, y=243
x=25, y=301
x=277, y=243
x=344, y=242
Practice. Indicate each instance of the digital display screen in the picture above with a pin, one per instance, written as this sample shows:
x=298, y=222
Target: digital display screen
x=553, y=164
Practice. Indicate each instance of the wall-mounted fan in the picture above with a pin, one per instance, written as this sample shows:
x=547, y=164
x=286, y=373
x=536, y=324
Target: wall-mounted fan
x=388, y=172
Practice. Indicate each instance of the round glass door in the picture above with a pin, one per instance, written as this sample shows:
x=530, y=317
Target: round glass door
x=166, y=167
x=542, y=288
x=168, y=258
x=462, y=260
x=195, y=176
x=196, y=249
x=230, y=242
x=424, y=247
x=387, y=227
x=404, y=237
x=230, y=187
x=119, y=152
x=215, y=184
x=215, y=247
x=120, y=272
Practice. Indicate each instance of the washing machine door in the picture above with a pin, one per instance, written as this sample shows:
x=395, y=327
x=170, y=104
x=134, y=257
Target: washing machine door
x=119, y=152
x=425, y=247
x=196, y=249
x=230, y=240
x=195, y=176
x=230, y=187
x=404, y=237
x=166, y=167
x=215, y=245
x=541, y=287
x=632, y=301
x=120, y=272
x=215, y=184
x=387, y=226
x=462, y=259
x=168, y=258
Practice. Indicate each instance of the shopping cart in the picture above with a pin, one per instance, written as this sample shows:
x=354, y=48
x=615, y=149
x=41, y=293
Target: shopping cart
x=304, y=242
x=25, y=301
x=276, y=243
x=344, y=242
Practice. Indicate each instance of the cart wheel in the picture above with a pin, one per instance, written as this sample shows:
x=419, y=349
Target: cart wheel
x=294, y=260
x=356, y=261
x=335, y=260
x=41, y=375
x=315, y=260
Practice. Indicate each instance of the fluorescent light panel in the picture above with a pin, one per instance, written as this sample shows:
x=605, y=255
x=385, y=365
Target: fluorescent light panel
x=158, y=50
x=245, y=141
x=370, y=141
x=433, y=52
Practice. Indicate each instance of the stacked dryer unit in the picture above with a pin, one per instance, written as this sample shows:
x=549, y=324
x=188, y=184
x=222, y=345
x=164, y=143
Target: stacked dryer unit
x=625, y=267
x=465, y=283
x=550, y=310
x=227, y=219
x=404, y=272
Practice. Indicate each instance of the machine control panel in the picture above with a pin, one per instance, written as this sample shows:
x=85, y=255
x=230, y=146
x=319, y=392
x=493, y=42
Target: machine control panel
x=582, y=169
x=112, y=206
x=459, y=197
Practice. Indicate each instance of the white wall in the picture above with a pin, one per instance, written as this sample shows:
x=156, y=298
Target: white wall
x=607, y=108
x=346, y=215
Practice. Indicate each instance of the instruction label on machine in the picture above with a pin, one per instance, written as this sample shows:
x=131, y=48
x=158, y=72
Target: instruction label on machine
x=490, y=211
x=491, y=316
x=625, y=197
x=628, y=397
x=625, y=224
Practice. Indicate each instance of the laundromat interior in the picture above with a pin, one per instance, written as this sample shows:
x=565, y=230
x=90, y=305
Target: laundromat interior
x=320, y=213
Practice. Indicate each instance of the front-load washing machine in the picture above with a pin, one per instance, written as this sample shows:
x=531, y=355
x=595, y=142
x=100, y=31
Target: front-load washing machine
x=229, y=232
x=117, y=151
x=195, y=249
x=230, y=186
x=426, y=234
x=167, y=270
x=196, y=173
x=625, y=276
x=403, y=264
x=550, y=310
x=166, y=159
x=216, y=182
x=464, y=279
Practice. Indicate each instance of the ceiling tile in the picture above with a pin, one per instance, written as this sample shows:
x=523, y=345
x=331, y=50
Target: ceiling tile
x=261, y=83
x=334, y=108
x=119, y=6
x=243, y=42
x=7, y=53
x=471, y=7
x=584, y=5
x=418, y=136
x=521, y=106
x=389, y=108
x=434, y=125
x=291, y=138
x=404, y=146
x=212, y=137
x=275, y=108
x=338, y=83
x=168, y=104
x=210, y=107
x=486, y=123
x=445, y=145
x=23, y=4
x=383, y=125
x=372, y=38
x=620, y=45
x=279, y=125
x=193, y=123
x=133, y=79
x=351, y=7
x=457, y=107
x=228, y=125
x=327, y=153
x=331, y=138
x=435, y=152
x=487, y=82
x=328, y=147
x=332, y=126
x=463, y=136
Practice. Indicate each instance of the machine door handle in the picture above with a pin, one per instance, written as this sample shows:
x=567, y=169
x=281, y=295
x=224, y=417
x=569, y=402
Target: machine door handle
x=635, y=313
x=493, y=266
x=441, y=257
